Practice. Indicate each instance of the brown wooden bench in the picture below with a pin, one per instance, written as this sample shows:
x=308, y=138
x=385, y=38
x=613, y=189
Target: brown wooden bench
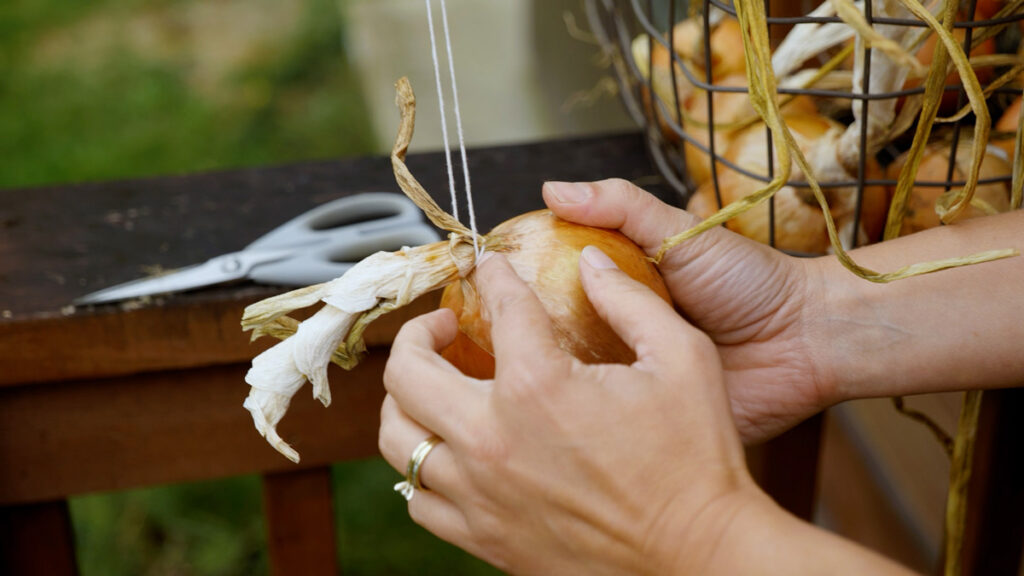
x=122, y=396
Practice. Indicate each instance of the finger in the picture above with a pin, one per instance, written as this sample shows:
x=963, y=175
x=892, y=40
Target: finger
x=444, y=519
x=660, y=337
x=399, y=437
x=618, y=204
x=521, y=331
x=429, y=389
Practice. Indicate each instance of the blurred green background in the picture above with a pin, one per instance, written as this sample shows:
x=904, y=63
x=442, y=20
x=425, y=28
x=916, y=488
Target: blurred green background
x=114, y=89
x=123, y=88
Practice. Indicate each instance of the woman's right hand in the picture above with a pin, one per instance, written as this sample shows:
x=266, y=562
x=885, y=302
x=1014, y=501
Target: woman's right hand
x=757, y=304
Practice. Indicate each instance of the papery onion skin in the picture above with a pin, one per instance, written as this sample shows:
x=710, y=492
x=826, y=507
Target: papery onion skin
x=544, y=250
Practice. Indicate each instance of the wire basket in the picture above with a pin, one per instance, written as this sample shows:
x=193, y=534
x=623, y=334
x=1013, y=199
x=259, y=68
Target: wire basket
x=676, y=145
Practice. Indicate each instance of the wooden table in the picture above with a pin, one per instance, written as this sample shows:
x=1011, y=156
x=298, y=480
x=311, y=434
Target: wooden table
x=150, y=392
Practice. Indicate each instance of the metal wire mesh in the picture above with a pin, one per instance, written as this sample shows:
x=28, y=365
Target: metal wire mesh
x=616, y=23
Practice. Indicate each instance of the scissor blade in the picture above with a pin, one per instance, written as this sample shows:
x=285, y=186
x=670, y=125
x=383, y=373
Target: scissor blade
x=205, y=274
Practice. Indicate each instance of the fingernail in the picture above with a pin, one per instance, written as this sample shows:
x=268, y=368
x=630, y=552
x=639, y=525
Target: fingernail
x=484, y=258
x=569, y=192
x=597, y=259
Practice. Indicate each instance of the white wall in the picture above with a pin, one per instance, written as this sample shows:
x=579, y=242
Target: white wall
x=516, y=67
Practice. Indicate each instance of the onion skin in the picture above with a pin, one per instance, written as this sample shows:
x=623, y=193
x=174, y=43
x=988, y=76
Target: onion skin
x=544, y=251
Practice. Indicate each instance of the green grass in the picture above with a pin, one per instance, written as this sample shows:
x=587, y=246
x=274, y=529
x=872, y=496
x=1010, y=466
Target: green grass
x=217, y=529
x=108, y=111
x=213, y=528
x=375, y=534
x=131, y=116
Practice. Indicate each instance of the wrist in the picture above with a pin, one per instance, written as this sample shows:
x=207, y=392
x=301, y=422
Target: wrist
x=820, y=333
x=751, y=534
x=690, y=539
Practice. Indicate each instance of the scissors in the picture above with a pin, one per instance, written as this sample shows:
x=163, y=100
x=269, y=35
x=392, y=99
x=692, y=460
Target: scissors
x=316, y=246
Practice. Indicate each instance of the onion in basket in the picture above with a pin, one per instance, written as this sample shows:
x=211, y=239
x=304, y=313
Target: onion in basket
x=988, y=198
x=799, y=223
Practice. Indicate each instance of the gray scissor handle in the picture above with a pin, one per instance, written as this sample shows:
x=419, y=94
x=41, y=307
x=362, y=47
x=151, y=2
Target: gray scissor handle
x=332, y=238
x=327, y=262
x=338, y=220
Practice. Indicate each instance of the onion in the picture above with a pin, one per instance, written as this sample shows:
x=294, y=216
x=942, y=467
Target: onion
x=988, y=198
x=924, y=55
x=544, y=251
x=733, y=112
x=799, y=222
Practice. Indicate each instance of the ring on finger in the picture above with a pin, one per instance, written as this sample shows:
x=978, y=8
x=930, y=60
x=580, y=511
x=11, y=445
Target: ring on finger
x=407, y=488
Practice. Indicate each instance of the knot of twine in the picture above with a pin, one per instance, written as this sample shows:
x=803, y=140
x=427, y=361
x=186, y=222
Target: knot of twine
x=463, y=251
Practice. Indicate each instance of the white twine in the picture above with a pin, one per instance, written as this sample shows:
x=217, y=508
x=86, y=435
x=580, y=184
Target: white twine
x=477, y=249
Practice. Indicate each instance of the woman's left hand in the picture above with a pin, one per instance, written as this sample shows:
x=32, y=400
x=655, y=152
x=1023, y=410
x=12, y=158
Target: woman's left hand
x=558, y=467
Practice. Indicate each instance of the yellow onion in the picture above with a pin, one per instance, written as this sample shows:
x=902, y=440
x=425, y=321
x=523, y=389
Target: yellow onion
x=544, y=251
x=799, y=222
x=988, y=198
x=726, y=46
x=653, y=60
x=732, y=112
x=924, y=55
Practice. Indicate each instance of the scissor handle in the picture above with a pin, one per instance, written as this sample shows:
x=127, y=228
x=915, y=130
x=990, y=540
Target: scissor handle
x=328, y=261
x=339, y=220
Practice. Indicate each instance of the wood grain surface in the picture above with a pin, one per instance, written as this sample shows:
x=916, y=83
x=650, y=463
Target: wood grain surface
x=58, y=243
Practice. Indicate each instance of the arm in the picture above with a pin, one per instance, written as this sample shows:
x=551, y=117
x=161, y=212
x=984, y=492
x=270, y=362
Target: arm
x=953, y=330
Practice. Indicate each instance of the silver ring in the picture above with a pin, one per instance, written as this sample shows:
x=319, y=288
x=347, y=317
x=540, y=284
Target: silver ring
x=412, y=481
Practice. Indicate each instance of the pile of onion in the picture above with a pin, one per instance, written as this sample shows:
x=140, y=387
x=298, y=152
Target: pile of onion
x=732, y=110
x=542, y=249
x=799, y=222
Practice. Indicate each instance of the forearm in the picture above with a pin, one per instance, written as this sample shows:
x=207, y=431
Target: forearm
x=951, y=330
x=758, y=537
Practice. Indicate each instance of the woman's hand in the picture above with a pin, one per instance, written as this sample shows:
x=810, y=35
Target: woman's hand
x=757, y=304
x=556, y=467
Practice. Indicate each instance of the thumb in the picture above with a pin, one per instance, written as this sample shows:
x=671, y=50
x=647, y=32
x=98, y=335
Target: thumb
x=619, y=205
x=650, y=326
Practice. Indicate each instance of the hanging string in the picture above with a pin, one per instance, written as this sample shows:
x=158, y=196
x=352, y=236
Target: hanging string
x=444, y=117
x=478, y=250
x=458, y=128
